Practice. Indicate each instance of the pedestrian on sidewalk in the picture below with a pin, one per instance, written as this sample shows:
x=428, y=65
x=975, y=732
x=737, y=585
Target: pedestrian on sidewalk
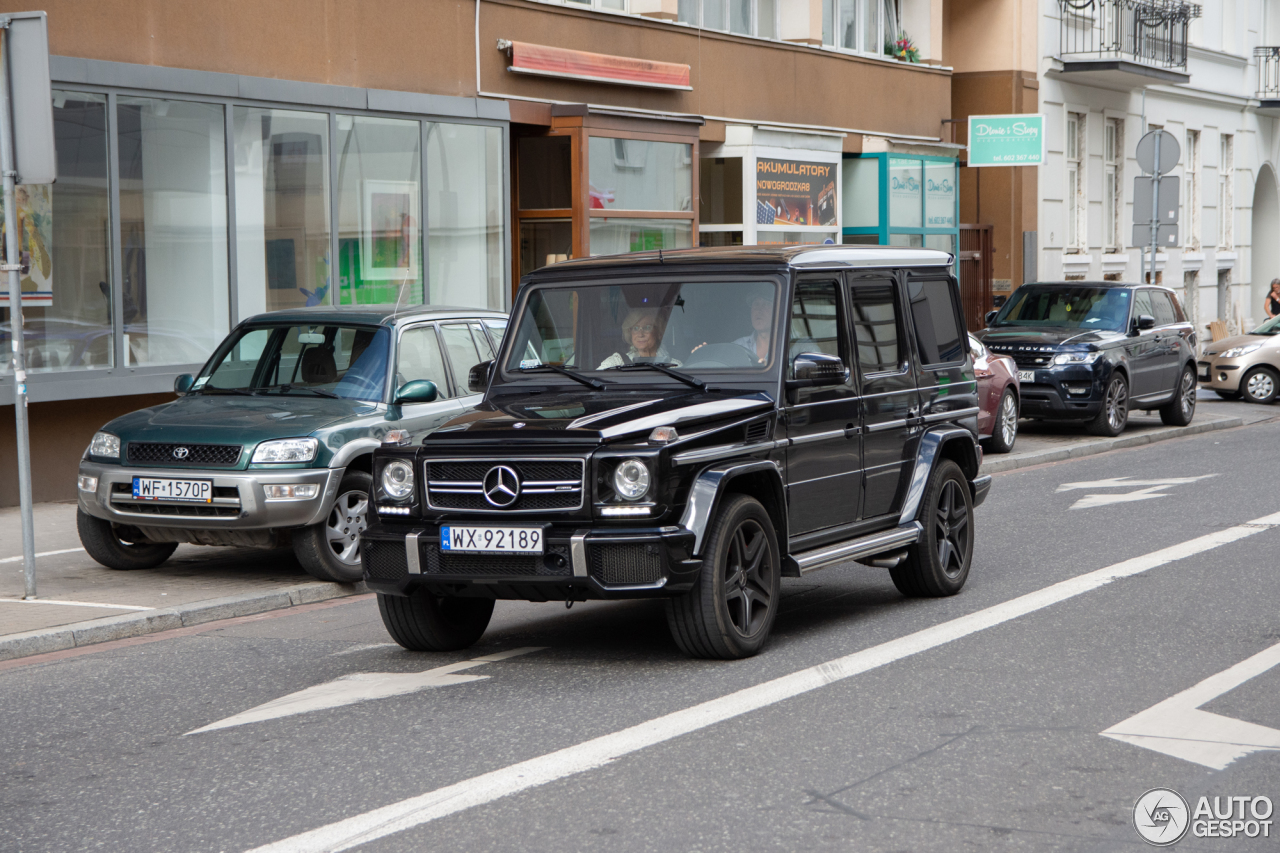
x=1272, y=303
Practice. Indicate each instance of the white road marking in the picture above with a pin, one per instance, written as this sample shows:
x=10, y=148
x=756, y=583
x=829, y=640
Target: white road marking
x=364, y=647
x=18, y=559
x=362, y=687
x=72, y=603
x=1125, y=483
x=1091, y=501
x=1179, y=728
x=478, y=790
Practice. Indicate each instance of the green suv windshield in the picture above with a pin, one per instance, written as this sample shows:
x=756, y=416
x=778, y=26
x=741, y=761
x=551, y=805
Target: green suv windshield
x=678, y=325
x=321, y=360
x=1067, y=308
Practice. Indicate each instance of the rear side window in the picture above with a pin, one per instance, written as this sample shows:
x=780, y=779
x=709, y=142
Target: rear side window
x=937, y=321
x=1162, y=305
x=875, y=328
x=1142, y=304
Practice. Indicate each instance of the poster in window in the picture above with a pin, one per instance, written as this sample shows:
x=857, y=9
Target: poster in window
x=790, y=192
x=35, y=240
x=389, y=238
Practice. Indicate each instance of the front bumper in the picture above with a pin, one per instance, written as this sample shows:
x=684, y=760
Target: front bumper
x=239, y=500
x=1221, y=374
x=578, y=564
x=1055, y=393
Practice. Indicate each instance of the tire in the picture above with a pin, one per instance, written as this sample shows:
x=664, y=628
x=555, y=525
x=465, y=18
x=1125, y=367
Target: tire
x=1228, y=395
x=1004, y=432
x=729, y=612
x=428, y=623
x=330, y=550
x=939, y=563
x=1260, y=385
x=1182, y=408
x=100, y=539
x=1114, y=416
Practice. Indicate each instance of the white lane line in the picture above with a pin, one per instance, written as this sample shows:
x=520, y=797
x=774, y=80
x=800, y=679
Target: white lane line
x=362, y=687
x=478, y=790
x=18, y=559
x=1179, y=728
x=364, y=647
x=72, y=603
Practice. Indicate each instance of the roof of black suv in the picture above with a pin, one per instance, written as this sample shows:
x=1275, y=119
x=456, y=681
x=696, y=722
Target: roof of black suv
x=806, y=256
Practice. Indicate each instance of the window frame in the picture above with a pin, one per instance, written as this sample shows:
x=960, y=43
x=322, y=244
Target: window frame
x=1075, y=157
x=1226, y=191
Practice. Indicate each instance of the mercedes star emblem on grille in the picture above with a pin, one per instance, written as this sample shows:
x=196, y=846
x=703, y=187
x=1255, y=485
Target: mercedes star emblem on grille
x=180, y=453
x=501, y=486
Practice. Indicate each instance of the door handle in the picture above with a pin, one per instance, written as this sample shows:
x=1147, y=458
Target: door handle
x=852, y=430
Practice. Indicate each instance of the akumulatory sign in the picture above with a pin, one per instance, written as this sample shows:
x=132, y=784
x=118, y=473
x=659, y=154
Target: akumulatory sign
x=794, y=193
x=1008, y=140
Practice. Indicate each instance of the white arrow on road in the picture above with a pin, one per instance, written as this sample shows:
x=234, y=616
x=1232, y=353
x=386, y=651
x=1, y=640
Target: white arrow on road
x=1179, y=728
x=361, y=687
x=1152, y=489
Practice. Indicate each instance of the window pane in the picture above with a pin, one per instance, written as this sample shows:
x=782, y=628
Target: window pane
x=815, y=325
x=482, y=341
x=632, y=174
x=861, y=201
x=740, y=17
x=543, y=242
x=875, y=328
x=615, y=236
x=282, y=209
x=713, y=14
x=687, y=11
x=1070, y=206
x=848, y=24
x=420, y=359
x=770, y=237
x=1163, y=308
x=464, y=210
x=905, y=193
x=63, y=231
x=379, y=211
x=870, y=26
x=719, y=238
x=720, y=190
x=545, y=174
x=766, y=20
x=829, y=21
x=940, y=184
x=619, y=5
x=937, y=322
x=462, y=352
x=1142, y=304
x=941, y=242
x=910, y=241
x=173, y=230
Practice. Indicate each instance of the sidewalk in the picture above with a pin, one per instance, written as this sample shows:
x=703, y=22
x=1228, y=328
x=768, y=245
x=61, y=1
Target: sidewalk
x=81, y=603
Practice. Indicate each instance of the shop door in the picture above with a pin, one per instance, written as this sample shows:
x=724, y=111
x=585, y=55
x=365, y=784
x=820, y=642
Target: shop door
x=976, y=258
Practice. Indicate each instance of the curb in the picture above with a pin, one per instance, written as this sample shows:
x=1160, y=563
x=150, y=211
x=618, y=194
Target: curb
x=1092, y=448
x=111, y=628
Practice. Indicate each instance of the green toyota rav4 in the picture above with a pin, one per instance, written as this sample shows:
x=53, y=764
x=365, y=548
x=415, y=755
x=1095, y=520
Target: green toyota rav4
x=692, y=425
x=271, y=443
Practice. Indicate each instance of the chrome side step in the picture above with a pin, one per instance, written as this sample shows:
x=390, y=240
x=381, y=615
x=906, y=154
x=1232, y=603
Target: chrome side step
x=821, y=558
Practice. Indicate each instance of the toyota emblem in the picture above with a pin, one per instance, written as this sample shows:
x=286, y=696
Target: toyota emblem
x=180, y=453
x=501, y=486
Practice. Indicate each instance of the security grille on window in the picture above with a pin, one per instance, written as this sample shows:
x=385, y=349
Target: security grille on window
x=1191, y=197
x=1074, y=196
x=1226, y=202
x=1112, y=184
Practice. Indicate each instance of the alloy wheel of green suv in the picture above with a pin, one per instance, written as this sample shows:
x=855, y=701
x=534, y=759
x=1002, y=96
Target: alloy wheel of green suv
x=330, y=550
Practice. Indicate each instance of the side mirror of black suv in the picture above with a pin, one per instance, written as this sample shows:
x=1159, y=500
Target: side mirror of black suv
x=989, y=316
x=478, y=377
x=1144, y=322
x=816, y=368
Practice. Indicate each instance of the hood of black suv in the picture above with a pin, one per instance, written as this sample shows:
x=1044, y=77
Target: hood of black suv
x=998, y=338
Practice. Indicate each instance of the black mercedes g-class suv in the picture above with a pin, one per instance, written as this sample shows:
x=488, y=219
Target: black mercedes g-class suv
x=1092, y=351
x=692, y=425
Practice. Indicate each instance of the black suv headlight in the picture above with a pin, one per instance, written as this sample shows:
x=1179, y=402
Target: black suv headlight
x=397, y=479
x=394, y=486
x=631, y=479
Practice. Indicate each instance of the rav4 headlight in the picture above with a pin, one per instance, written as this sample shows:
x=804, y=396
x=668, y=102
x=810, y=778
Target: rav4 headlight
x=1236, y=352
x=397, y=479
x=1076, y=357
x=631, y=479
x=287, y=450
x=106, y=445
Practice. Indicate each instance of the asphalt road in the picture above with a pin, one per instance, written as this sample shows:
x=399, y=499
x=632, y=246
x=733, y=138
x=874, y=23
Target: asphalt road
x=870, y=722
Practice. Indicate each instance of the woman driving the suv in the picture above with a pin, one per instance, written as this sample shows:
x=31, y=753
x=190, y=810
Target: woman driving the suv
x=642, y=329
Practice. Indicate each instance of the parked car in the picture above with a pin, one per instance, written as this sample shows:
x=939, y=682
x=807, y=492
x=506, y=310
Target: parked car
x=1245, y=366
x=997, y=377
x=692, y=426
x=1093, y=351
x=272, y=442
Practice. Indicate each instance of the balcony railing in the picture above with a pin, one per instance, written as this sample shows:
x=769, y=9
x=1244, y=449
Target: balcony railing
x=1268, y=73
x=1149, y=32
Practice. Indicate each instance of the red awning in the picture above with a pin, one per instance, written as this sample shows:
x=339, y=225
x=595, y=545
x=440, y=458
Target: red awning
x=548, y=61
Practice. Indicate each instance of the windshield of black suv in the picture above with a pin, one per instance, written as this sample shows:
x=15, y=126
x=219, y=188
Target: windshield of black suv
x=1271, y=327
x=311, y=359
x=1066, y=307
x=682, y=326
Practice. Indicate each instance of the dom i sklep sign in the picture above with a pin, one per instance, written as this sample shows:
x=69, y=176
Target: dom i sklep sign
x=1011, y=140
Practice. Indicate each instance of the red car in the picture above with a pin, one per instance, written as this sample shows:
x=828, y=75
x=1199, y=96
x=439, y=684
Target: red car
x=998, y=397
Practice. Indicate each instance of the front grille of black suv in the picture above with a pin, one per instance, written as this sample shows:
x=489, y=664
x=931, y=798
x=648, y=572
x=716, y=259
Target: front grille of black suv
x=384, y=560
x=195, y=455
x=625, y=564
x=555, y=563
x=553, y=485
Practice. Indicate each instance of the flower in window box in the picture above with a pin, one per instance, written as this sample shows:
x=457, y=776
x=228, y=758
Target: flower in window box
x=903, y=49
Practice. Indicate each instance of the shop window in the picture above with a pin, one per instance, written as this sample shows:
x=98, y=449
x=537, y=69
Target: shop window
x=941, y=242
x=63, y=234
x=545, y=166
x=718, y=238
x=614, y=235
x=173, y=230
x=862, y=192
x=464, y=209
x=544, y=242
x=910, y=241
x=379, y=211
x=720, y=191
x=770, y=237
x=940, y=194
x=282, y=209
x=905, y=193
x=635, y=174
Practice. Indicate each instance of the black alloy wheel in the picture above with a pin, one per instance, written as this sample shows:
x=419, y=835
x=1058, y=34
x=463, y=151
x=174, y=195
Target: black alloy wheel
x=1260, y=385
x=938, y=564
x=1182, y=408
x=1114, y=416
x=730, y=610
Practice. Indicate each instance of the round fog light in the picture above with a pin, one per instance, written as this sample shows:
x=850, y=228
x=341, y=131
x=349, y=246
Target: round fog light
x=631, y=479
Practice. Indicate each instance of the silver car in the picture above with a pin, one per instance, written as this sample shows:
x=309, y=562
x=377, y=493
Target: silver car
x=1245, y=366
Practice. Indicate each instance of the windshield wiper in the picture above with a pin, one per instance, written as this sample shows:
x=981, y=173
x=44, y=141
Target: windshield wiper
x=286, y=389
x=240, y=391
x=576, y=377
x=663, y=367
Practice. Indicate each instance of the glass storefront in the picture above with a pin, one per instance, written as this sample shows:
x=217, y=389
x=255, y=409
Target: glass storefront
x=901, y=200
x=412, y=209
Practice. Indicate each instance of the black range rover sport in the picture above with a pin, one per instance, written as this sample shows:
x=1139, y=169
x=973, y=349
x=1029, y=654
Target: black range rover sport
x=692, y=425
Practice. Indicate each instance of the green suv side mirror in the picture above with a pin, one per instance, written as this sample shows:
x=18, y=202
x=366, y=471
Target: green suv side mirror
x=183, y=383
x=417, y=391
